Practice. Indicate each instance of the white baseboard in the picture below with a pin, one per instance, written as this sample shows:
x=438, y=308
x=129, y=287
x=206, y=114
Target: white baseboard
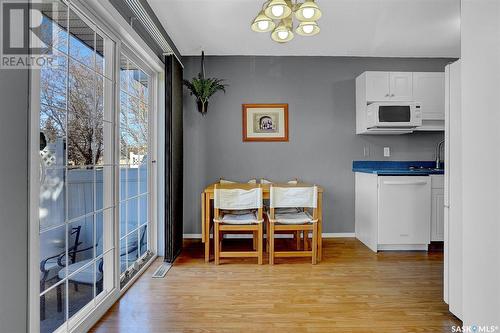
x=339, y=235
x=410, y=247
x=325, y=235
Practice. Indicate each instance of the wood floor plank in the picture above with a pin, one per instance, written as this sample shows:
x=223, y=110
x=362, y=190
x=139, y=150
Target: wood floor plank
x=351, y=290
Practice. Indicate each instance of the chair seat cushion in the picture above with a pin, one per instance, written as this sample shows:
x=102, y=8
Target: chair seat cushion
x=249, y=218
x=293, y=218
x=283, y=210
x=85, y=276
x=286, y=210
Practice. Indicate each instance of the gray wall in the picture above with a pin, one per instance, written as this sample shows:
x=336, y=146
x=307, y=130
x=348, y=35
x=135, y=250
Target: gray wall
x=320, y=92
x=14, y=200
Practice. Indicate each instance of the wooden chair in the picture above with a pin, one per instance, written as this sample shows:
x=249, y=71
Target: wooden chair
x=238, y=208
x=298, y=200
x=295, y=234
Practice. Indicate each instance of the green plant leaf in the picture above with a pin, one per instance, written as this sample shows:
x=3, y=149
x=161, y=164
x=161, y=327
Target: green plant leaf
x=204, y=88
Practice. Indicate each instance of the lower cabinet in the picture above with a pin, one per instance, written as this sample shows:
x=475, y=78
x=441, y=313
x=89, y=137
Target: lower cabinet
x=437, y=208
x=393, y=212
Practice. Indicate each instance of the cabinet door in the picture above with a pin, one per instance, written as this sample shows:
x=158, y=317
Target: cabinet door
x=428, y=90
x=437, y=215
x=377, y=86
x=400, y=86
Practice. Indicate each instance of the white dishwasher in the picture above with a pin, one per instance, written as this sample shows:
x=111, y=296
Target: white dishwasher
x=404, y=211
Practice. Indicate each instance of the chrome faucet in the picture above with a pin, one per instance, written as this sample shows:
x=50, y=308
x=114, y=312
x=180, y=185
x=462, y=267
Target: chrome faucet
x=439, y=147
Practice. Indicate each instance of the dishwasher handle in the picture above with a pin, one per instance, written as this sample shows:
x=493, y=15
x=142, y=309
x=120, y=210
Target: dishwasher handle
x=407, y=182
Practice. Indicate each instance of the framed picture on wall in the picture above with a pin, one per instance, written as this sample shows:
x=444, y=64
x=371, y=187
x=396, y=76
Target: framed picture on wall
x=265, y=122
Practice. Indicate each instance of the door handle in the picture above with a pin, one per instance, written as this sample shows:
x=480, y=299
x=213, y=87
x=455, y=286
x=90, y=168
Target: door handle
x=396, y=182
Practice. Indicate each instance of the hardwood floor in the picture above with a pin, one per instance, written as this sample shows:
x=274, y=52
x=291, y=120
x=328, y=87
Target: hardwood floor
x=351, y=290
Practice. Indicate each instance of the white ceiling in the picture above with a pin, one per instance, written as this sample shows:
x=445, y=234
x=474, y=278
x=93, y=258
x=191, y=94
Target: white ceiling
x=376, y=28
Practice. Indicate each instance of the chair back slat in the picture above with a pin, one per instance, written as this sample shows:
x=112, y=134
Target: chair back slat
x=237, y=196
x=293, y=196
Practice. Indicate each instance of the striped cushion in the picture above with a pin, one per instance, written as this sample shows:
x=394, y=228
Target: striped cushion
x=242, y=219
x=286, y=210
x=294, y=218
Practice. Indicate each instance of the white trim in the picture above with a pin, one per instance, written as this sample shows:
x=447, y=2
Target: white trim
x=402, y=247
x=339, y=235
x=325, y=235
x=116, y=166
x=153, y=152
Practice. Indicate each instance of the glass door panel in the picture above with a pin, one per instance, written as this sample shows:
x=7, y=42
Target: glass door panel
x=134, y=167
x=76, y=196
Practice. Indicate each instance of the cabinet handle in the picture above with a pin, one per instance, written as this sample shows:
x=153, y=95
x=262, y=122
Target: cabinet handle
x=395, y=182
x=392, y=95
x=386, y=95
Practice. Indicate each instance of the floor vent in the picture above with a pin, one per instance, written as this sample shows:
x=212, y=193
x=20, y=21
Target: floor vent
x=161, y=271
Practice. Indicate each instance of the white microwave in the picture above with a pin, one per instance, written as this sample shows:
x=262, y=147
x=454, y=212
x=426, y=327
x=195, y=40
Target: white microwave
x=393, y=115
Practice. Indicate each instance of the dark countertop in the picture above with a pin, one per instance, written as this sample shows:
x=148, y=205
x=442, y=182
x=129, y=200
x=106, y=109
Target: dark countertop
x=397, y=168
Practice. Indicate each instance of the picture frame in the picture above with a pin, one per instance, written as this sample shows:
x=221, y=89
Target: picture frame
x=265, y=122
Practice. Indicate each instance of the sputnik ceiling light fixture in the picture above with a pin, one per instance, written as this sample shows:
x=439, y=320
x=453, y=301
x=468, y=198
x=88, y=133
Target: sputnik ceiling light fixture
x=307, y=13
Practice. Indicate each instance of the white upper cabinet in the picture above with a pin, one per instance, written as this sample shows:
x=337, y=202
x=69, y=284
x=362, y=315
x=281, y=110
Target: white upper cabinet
x=400, y=86
x=389, y=86
x=377, y=86
x=428, y=90
x=424, y=88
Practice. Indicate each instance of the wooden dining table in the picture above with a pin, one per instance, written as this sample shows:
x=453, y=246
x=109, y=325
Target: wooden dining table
x=208, y=195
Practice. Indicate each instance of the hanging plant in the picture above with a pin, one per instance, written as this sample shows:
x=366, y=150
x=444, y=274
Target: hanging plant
x=204, y=88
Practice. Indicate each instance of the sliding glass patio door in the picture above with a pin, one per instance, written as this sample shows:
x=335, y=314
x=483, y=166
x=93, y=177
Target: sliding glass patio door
x=92, y=175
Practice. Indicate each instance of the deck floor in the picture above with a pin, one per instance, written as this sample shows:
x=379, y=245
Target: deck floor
x=351, y=290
